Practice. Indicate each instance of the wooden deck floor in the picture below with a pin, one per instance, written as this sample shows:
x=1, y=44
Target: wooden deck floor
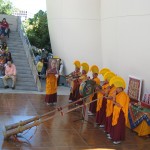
x=59, y=133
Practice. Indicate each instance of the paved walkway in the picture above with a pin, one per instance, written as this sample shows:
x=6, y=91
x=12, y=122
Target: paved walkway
x=62, y=90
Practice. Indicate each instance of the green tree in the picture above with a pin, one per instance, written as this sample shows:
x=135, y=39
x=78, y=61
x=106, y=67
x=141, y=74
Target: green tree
x=37, y=30
x=6, y=7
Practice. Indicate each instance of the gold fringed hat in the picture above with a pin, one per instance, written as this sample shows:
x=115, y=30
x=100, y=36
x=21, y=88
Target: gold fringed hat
x=94, y=69
x=118, y=82
x=103, y=71
x=77, y=63
x=56, y=57
x=111, y=80
x=85, y=67
x=108, y=75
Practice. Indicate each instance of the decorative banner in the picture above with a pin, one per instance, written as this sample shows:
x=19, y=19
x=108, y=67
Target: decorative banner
x=137, y=114
x=134, y=88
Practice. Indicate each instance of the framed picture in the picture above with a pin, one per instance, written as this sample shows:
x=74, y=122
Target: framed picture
x=145, y=97
x=146, y=100
x=53, y=65
x=134, y=88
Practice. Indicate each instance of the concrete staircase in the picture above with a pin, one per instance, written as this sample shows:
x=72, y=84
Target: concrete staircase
x=25, y=79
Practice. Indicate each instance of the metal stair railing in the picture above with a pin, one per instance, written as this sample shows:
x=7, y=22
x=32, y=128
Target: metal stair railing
x=29, y=53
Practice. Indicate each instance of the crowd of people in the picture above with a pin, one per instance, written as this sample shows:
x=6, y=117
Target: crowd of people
x=42, y=61
x=108, y=103
x=6, y=62
x=7, y=68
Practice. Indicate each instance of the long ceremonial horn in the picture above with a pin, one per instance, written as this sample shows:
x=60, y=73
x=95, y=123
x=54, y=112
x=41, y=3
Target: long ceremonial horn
x=35, y=121
x=20, y=129
x=22, y=123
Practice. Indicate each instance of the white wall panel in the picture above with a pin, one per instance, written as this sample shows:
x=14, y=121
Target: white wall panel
x=109, y=33
x=75, y=31
x=127, y=37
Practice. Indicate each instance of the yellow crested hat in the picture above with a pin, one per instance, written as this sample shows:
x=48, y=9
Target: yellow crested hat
x=103, y=71
x=94, y=69
x=108, y=75
x=118, y=82
x=77, y=63
x=55, y=57
x=111, y=80
x=85, y=67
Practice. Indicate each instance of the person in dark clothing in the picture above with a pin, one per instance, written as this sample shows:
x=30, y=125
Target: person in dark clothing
x=45, y=64
x=9, y=57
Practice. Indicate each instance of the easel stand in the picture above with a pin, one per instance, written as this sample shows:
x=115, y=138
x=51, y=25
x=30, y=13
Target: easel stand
x=84, y=113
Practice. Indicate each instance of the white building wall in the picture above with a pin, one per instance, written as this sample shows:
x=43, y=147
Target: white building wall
x=74, y=27
x=125, y=26
x=108, y=33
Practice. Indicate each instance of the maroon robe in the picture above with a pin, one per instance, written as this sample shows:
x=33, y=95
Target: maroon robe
x=118, y=131
x=108, y=124
x=101, y=114
x=93, y=105
x=52, y=98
